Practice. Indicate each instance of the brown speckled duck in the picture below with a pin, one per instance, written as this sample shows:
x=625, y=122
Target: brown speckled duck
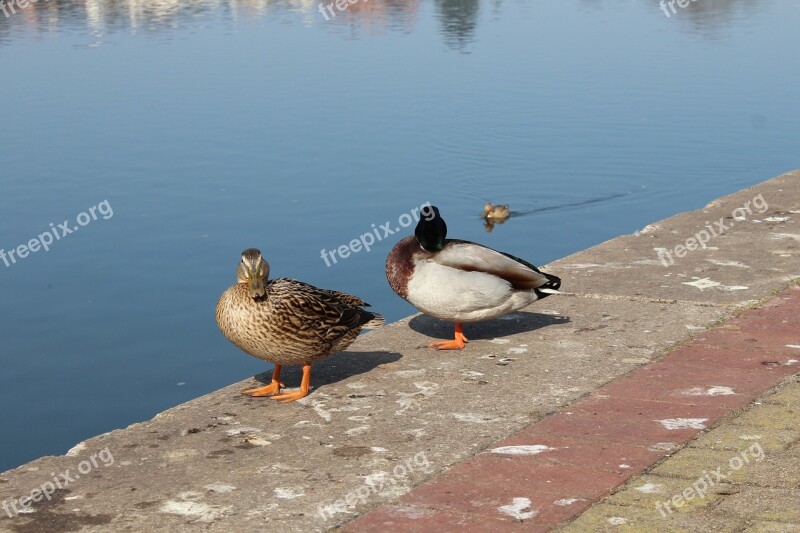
x=497, y=213
x=288, y=322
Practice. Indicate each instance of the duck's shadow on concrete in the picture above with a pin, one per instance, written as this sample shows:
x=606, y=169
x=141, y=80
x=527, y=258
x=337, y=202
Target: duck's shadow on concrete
x=333, y=369
x=518, y=322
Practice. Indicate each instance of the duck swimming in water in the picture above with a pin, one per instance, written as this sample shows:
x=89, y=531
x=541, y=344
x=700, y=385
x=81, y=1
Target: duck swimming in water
x=497, y=213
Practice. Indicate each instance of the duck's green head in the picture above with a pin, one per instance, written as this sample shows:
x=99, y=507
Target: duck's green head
x=431, y=230
x=254, y=271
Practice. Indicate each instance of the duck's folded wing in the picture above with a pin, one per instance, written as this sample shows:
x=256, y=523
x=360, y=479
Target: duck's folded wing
x=473, y=257
x=342, y=298
x=321, y=312
x=334, y=298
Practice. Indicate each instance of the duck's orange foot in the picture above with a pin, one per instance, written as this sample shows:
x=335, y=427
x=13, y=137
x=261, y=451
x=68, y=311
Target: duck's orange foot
x=273, y=388
x=302, y=392
x=456, y=344
x=287, y=397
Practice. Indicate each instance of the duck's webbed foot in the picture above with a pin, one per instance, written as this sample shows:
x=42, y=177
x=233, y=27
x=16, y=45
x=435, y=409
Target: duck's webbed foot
x=268, y=390
x=457, y=343
x=305, y=386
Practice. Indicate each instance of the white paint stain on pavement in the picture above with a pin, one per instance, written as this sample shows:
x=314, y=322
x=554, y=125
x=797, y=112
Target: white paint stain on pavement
x=720, y=262
x=650, y=488
x=708, y=283
x=663, y=447
x=781, y=236
x=475, y=418
x=220, y=488
x=673, y=424
x=711, y=391
x=356, y=431
x=564, y=502
x=288, y=493
x=244, y=430
x=200, y=512
x=413, y=400
x=525, y=449
x=520, y=509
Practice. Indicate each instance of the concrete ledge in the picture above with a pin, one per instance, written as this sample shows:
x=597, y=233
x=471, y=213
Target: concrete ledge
x=389, y=414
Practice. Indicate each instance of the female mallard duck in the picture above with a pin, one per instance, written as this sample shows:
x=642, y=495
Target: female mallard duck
x=461, y=281
x=288, y=322
x=497, y=213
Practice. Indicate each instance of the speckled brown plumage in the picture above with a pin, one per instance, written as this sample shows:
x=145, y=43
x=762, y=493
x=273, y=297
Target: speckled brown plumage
x=287, y=322
x=293, y=323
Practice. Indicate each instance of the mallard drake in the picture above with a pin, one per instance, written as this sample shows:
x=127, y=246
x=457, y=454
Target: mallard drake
x=288, y=322
x=497, y=213
x=461, y=281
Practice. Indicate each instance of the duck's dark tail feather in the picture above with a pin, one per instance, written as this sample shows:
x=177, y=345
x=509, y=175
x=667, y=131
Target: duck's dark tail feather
x=373, y=320
x=551, y=287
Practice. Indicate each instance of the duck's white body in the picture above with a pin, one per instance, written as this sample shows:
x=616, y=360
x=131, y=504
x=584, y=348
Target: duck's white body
x=462, y=282
x=461, y=296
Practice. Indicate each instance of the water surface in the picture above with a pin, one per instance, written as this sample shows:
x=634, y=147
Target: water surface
x=212, y=126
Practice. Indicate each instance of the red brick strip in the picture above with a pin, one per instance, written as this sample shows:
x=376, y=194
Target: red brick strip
x=584, y=452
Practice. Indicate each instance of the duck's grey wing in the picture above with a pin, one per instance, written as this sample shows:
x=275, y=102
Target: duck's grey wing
x=473, y=257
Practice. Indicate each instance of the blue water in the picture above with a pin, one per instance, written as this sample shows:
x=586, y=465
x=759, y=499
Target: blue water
x=209, y=127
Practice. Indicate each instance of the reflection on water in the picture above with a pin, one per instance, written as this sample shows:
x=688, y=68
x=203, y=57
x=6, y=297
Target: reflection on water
x=102, y=16
x=458, y=19
x=370, y=16
x=711, y=18
x=107, y=16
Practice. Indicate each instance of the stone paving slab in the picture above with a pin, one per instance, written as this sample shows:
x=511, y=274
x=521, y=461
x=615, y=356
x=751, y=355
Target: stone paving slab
x=528, y=478
x=389, y=414
x=605, y=518
x=731, y=437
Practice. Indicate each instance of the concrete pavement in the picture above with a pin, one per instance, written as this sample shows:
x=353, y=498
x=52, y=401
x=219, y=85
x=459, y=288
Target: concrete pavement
x=553, y=470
